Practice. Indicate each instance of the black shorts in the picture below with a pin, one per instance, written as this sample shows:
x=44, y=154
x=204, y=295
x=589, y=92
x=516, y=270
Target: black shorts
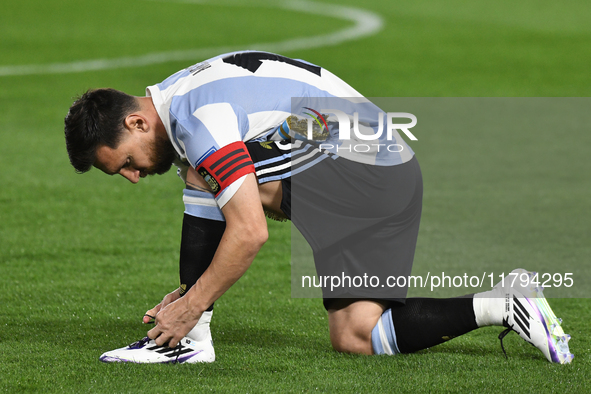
x=361, y=221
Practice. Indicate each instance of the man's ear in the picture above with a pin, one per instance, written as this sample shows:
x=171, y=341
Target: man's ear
x=136, y=122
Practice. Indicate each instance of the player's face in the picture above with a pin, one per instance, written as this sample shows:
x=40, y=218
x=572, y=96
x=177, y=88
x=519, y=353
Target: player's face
x=138, y=155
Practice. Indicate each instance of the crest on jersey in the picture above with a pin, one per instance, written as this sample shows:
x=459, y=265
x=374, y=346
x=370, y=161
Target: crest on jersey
x=315, y=126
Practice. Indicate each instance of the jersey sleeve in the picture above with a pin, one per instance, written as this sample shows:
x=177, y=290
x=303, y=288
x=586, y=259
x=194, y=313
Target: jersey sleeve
x=212, y=140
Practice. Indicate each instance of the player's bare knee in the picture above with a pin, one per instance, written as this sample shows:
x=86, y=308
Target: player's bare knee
x=351, y=341
x=351, y=323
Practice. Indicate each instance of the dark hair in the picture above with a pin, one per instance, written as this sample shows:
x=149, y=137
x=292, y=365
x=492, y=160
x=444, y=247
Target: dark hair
x=96, y=118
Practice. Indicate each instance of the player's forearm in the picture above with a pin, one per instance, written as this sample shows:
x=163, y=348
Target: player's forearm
x=234, y=255
x=245, y=234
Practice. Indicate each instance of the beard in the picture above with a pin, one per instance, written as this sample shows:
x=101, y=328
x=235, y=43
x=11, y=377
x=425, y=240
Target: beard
x=162, y=155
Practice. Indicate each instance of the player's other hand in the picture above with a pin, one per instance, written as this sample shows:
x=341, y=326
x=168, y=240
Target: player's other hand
x=170, y=297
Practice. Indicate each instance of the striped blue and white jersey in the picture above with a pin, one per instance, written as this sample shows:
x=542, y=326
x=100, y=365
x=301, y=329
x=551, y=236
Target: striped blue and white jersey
x=247, y=96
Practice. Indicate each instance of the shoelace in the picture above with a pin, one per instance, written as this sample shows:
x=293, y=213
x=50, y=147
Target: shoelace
x=139, y=344
x=177, y=351
x=503, y=335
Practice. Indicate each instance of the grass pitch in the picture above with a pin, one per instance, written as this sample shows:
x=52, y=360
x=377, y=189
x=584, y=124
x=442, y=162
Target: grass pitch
x=83, y=257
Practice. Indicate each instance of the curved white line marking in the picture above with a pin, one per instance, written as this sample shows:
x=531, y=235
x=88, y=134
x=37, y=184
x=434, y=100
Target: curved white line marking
x=366, y=24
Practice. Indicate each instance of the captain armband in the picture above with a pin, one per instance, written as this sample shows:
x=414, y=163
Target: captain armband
x=221, y=168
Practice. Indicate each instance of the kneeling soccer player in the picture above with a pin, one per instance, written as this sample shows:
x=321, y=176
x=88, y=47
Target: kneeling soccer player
x=232, y=125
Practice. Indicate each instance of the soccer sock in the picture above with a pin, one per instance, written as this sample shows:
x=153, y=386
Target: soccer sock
x=422, y=323
x=201, y=331
x=199, y=242
x=383, y=336
x=488, y=308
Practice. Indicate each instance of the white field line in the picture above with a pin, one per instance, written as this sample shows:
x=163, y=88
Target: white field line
x=366, y=23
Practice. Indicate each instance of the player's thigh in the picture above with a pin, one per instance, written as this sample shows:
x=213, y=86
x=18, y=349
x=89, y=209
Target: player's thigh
x=351, y=322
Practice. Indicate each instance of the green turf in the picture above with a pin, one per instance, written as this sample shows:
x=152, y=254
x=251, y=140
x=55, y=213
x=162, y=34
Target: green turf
x=83, y=257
